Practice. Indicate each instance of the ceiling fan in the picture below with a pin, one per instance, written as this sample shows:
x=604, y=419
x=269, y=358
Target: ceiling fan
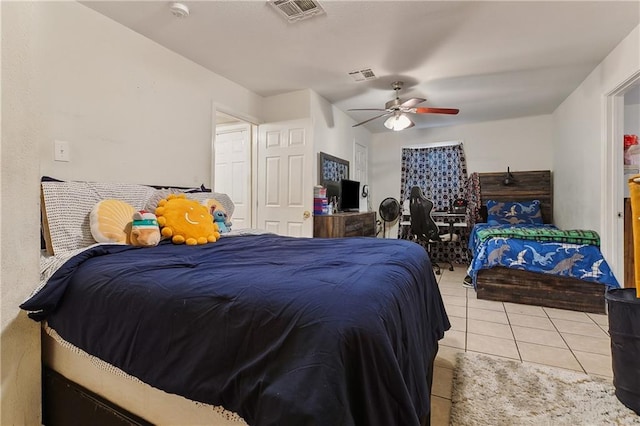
x=398, y=110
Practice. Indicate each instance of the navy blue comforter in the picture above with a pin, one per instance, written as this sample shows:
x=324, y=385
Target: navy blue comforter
x=283, y=331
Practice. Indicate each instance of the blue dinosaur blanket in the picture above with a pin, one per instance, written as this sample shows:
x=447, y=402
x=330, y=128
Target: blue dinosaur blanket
x=491, y=247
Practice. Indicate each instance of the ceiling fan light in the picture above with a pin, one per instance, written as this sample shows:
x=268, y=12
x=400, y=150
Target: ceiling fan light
x=398, y=122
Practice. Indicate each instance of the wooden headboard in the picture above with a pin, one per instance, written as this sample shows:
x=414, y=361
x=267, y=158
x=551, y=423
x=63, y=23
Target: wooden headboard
x=525, y=186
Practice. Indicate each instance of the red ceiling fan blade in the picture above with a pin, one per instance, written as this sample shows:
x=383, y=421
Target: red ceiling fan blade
x=371, y=119
x=425, y=110
x=410, y=103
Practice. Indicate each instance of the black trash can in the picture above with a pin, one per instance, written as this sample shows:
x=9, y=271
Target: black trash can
x=624, y=329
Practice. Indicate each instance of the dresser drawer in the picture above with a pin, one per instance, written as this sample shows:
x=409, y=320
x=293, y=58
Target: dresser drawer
x=354, y=226
x=345, y=225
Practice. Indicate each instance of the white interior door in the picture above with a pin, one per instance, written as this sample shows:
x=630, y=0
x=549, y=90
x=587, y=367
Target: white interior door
x=232, y=171
x=285, y=188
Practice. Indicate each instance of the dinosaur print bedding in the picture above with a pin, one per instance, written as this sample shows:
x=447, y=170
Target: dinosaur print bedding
x=517, y=247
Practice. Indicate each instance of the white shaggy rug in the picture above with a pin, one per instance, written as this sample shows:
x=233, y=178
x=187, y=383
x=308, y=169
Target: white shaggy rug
x=494, y=391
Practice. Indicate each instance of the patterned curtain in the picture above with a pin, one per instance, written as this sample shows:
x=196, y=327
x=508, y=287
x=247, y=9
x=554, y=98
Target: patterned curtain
x=441, y=172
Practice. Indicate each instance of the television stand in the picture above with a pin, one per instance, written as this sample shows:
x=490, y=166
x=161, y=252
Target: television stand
x=345, y=224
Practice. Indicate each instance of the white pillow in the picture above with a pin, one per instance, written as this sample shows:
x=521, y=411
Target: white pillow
x=67, y=206
x=159, y=194
x=217, y=198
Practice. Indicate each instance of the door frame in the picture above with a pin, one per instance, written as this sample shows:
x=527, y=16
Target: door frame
x=612, y=207
x=363, y=182
x=253, y=126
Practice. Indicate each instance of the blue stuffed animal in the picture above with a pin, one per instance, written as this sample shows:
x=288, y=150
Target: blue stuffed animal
x=220, y=218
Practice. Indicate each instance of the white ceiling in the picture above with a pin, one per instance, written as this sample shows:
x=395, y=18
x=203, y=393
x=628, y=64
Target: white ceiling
x=492, y=60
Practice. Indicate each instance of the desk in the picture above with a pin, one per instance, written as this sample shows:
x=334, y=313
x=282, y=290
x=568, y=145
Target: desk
x=405, y=227
x=455, y=224
x=442, y=219
x=450, y=220
x=454, y=221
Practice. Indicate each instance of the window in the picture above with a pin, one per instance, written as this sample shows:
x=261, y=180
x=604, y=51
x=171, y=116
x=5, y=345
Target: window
x=441, y=172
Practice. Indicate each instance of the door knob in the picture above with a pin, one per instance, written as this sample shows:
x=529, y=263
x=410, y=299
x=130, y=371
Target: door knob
x=306, y=214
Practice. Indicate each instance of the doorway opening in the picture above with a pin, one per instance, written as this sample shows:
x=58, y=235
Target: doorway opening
x=613, y=179
x=232, y=162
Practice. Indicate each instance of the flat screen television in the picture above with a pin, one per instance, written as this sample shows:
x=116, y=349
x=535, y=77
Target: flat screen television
x=349, y=195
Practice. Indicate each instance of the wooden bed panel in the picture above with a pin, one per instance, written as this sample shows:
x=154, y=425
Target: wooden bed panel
x=525, y=186
x=532, y=288
x=529, y=288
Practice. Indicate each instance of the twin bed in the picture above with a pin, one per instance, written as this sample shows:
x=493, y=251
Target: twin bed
x=254, y=328
x=520, y=257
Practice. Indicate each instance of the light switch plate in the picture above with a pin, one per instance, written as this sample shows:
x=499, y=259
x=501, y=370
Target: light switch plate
x=61, y=151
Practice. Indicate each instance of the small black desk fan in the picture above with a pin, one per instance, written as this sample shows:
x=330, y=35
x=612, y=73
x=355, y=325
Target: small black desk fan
x=389, y=211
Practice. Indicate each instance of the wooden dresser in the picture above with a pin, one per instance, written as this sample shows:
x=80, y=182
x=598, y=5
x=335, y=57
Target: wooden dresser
x=345, y=225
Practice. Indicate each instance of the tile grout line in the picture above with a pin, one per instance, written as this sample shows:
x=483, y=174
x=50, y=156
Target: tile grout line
x=584, y=370
x=512, y=333
x=466, y=320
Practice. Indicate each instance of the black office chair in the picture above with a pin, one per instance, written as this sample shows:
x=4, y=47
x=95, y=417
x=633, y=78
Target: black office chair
x=423, y=227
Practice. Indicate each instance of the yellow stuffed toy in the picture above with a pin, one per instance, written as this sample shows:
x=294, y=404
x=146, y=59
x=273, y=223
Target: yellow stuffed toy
x=186, y=221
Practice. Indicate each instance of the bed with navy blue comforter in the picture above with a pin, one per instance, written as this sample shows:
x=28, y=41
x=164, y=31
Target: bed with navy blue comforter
x=283, y=331
x=540, y=248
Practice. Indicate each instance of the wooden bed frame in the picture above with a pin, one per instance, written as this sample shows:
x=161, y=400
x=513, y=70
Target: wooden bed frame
x=532, y=288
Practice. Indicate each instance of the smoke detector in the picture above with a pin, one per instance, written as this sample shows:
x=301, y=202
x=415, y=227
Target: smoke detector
x=179, y=10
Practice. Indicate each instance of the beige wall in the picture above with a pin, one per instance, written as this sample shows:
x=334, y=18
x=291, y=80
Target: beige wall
x=130, y=109
x=583, y=175
x=288, y=106
x=19, y=241
x=578, y=138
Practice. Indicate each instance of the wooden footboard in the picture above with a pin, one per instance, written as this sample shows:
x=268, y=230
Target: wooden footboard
x=530, y=288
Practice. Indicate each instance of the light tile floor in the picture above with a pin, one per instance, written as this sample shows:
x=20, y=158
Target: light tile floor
x=566, y=339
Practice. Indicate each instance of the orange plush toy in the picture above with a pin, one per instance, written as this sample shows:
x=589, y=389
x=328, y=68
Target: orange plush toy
x=186, y=221
x=144, y=230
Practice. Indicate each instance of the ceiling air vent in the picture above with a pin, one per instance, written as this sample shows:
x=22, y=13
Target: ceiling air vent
x=362, y=75
x=295, y=10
